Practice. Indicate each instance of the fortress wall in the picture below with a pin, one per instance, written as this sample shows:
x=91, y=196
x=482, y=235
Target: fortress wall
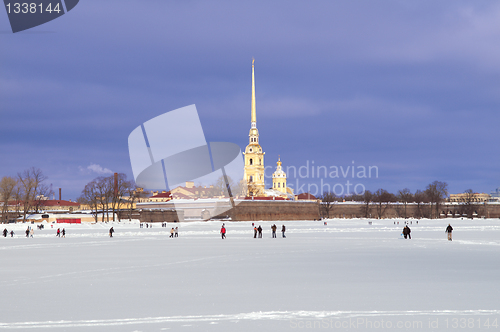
x=289, y=210
x=274, y=210
x=247, y=210
x=446, y=210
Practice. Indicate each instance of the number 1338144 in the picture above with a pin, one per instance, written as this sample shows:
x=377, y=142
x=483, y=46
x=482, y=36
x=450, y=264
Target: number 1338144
x=32, y=8
x=471, y=323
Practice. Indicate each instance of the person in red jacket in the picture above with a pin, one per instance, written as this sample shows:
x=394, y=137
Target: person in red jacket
x=223, y=232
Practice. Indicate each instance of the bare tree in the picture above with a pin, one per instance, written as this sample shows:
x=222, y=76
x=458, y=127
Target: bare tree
x=104, y=195
x=367, y=199
x=89, y=197
x=353, y=198
x=43, y=193
x=17, y=198
x=135, y=194
x=405, y=196
x=118, y=191
x=221, y=189
x=104, y=186
x=32, y=187
x=436, y=192
x=328, y=200
x=241, y=189
x=420, y=198
x=468, y=207
x=382, y=197
x=252, y=189
x=7, y=192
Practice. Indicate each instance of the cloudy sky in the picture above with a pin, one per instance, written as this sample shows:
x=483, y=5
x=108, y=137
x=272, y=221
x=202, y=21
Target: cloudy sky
x=411, y=87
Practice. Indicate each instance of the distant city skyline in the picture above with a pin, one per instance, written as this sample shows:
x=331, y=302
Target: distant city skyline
x=409, y=88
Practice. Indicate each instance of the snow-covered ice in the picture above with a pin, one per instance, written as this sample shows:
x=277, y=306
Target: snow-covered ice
x=343, y=276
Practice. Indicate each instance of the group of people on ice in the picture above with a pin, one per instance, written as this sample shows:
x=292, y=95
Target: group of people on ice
x=29, y=232
x=274, y=228
x=5, y=232
x=257, y=231
x=407, y=231
x=174, y=232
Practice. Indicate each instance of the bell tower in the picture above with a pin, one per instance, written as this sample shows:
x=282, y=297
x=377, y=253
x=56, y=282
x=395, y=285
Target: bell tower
x=254, y=157
x=279, y=178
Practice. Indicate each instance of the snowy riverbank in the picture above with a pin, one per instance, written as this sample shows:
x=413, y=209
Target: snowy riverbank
x=345, y=276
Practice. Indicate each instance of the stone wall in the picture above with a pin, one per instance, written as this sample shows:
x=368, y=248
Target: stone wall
x=446, y=210
x=245, y=211
x=273, y=210
x=256, y=210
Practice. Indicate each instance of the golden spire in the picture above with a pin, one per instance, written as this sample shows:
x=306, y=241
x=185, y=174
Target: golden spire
x=254, y=111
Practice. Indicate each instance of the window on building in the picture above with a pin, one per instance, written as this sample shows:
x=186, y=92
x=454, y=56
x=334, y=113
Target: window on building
x=251, y=161
x=278, y=184
x=251, y=179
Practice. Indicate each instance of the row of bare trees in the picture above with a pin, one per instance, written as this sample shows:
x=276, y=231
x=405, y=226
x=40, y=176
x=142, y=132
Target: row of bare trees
x=427, y=201
x=105, y=196
x=27, y=191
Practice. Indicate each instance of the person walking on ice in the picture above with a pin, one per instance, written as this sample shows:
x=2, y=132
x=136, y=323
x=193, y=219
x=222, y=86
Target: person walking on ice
x=406, y=232
x=172, y=233
x=176, y=232
x=111, y=231
x=283, y=228
x=449, y=229
x=63, y=233
x=273, y=228
x=223, y=232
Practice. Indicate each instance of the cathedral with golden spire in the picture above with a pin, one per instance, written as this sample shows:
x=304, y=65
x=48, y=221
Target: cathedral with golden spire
x=254, y=156
x=254, y=160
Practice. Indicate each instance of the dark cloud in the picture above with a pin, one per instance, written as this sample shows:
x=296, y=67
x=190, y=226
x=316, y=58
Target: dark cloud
x=411, y=87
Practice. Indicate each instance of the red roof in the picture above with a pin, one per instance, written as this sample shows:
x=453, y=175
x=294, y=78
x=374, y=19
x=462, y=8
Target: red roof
x=51, y=202
x=48, y=202
x=306, y=196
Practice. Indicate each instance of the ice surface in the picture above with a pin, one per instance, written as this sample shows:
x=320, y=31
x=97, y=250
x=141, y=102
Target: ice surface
x=343, y=276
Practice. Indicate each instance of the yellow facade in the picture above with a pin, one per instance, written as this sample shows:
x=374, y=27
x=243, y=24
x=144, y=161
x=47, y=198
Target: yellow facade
x=279, y=178
x=254, y=156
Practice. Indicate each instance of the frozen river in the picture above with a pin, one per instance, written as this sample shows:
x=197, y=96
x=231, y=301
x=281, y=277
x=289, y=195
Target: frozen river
x=347, y=275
